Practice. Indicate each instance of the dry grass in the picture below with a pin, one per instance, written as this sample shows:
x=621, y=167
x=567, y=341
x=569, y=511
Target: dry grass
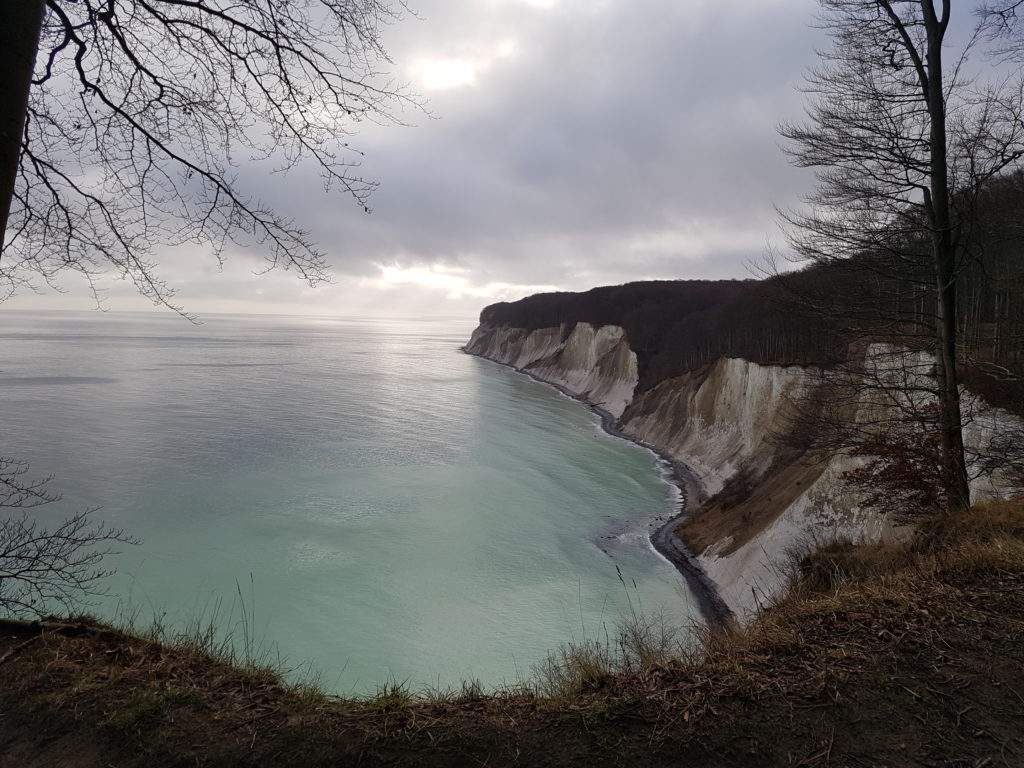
x=638, y=643
x=987, y=537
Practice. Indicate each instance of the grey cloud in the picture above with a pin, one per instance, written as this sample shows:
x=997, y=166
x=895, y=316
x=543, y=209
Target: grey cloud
x=599, y=139
x=571, y=163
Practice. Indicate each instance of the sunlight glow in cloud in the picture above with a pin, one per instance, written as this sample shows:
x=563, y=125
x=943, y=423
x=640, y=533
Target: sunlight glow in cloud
x=445, y=73
x=442, y=74
x=451, y=281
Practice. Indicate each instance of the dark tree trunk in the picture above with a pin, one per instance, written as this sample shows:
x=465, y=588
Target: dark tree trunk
x=944, y=259
x=20, y=24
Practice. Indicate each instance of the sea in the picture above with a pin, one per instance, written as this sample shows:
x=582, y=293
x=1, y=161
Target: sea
x=355, y=500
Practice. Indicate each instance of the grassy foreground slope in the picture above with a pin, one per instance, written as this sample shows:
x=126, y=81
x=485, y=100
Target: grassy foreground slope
x=879, y=656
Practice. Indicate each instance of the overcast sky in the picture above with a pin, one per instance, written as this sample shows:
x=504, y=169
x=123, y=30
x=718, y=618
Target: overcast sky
x=573, y=143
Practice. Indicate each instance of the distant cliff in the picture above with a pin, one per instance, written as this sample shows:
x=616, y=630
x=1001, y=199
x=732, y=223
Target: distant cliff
x=691, y=370
x=678, y=326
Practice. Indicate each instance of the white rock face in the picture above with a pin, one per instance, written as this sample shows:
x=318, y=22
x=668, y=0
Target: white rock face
x=723, y=424
x=984, y=425
x=719, y=422
x=595, y=364
x=750, y=577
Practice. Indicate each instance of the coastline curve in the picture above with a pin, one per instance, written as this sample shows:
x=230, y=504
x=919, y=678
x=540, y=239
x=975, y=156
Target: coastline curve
x=714, y=610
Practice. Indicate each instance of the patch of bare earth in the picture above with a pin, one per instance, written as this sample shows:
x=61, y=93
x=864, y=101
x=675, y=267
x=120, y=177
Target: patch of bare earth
x=902, y=656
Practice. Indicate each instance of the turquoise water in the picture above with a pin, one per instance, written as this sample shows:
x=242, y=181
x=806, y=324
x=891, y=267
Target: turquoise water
x=389, y=507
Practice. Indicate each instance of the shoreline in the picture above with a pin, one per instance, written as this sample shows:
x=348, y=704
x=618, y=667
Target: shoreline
x=716, y=614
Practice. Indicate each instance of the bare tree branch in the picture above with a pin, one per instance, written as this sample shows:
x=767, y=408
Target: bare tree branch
x=47, y=569
x=141, y=111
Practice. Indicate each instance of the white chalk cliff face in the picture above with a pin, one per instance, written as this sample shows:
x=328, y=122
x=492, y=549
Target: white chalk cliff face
x=595, y=364
x=719, y=422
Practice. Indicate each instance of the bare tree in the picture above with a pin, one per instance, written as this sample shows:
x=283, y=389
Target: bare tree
x=139, y=112
x=903, y=143
x=43, y=569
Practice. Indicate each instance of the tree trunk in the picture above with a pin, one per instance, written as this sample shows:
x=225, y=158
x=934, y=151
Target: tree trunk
x=20, y=24
x=944, y=260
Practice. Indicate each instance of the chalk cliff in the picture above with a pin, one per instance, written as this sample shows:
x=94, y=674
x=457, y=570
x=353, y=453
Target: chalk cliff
x=720, y=420
x=595, y=364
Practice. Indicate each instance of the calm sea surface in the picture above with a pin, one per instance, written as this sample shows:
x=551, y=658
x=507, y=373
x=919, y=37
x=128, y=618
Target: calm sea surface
x=389, y=507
